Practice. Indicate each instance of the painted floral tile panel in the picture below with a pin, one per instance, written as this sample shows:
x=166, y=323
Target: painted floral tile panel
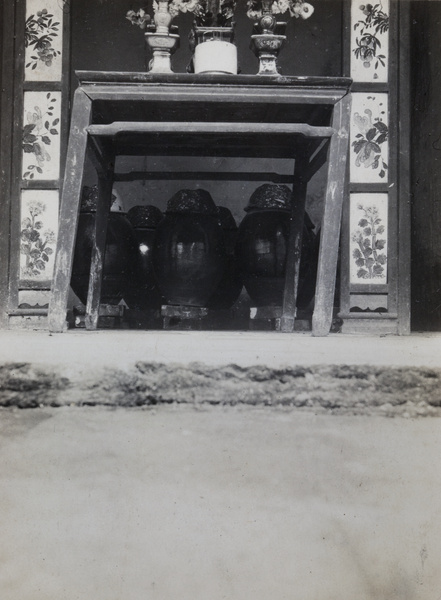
x=368, y=238
x=41, y=135
x=43, y=40
x=369, y=138
x=369, y=302
x=33, y=298
x=369, y=41
x=38, y=232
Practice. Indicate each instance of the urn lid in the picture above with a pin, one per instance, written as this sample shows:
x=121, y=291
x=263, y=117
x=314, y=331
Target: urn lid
x=192, y=201
x=270, y=196
x=226, y=219
x=147, y=216
x=89, y=199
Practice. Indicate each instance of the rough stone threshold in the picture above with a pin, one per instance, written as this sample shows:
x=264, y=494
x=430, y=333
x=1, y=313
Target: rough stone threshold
x=343, y=390
x=349, y=375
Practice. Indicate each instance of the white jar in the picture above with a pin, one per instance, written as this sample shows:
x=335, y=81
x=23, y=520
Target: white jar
x=215, y=56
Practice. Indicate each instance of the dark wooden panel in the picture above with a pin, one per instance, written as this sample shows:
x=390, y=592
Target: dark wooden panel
x=426, y=164
x=247, y=110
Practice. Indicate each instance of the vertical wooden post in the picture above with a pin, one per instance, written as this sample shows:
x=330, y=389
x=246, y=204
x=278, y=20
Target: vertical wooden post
x=294, y=250
x=404, y=167
x=104, y=201
x=69, y=210
x=330, y=233
x=6, y=150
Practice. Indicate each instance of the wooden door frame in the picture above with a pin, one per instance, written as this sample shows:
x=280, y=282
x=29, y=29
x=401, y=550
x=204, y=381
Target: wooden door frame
x=12, y=51
x=404, y=168
x=7, y=116
x=9, y=119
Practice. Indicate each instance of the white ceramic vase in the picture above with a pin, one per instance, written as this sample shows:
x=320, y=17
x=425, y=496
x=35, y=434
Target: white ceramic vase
x=215, y=56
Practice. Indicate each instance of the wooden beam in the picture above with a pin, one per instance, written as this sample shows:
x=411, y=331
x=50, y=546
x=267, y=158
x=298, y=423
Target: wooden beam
x=214, y=81
x=121, y=127
x=202, y=176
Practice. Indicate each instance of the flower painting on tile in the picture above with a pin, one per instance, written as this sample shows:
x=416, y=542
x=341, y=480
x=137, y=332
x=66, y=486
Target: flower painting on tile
x=41, y=135
x=369, y=41
x=369, y=144
x=43, y=40
x=39, y=226
x=368, y=240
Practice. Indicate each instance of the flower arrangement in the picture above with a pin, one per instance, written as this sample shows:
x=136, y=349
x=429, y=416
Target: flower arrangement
x=207, y=13
x=296, y=8
x=214, y=13
x=140, y=18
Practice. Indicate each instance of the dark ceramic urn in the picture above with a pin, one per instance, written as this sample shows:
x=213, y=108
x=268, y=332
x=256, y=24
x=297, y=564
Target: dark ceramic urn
x=189, y=251
x=262, y=247
x=230, y=286
x=143, y=292
x=121, y=254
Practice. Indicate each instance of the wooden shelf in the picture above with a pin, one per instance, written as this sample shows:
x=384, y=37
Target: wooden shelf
x=302, y=118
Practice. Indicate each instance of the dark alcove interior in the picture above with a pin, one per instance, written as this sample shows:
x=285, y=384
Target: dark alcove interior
x=104, y=40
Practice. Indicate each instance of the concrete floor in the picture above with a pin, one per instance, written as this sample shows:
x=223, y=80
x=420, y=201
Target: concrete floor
x=124, y=348
x=218, y=503
x=206, y=503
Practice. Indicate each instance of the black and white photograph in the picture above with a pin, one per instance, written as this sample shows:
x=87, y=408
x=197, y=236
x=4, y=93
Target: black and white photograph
x=220, y=299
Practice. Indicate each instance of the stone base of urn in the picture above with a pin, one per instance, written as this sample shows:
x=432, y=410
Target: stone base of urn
x=267, y=47
x=163, y=45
